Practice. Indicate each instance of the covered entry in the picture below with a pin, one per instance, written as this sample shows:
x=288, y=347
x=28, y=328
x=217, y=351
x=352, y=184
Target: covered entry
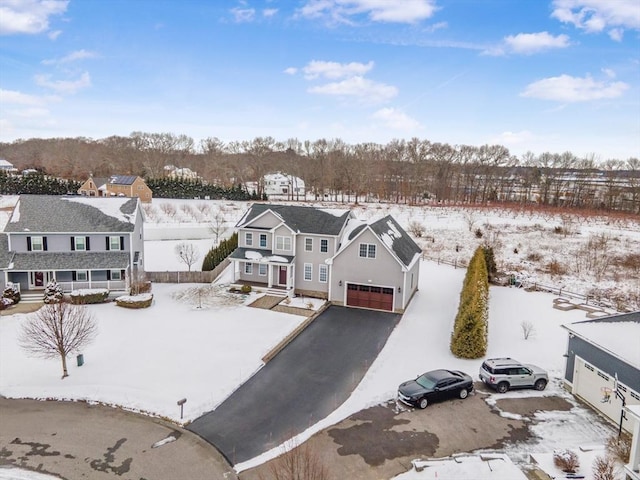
x=369, y=296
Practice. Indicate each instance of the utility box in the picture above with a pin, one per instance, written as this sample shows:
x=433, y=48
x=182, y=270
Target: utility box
x=80, y=360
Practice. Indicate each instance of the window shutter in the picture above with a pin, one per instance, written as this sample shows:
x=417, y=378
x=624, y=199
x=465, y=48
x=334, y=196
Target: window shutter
x=108, y=274
x=121, y=243
x=87, y=245
x=73, y=244
x=44, y=243
x=28, y=244
x=73, y=276
x=107, y=244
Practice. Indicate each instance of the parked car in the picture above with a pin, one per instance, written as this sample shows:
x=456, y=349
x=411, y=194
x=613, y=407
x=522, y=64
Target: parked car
x=433, y=386
x=503, y=374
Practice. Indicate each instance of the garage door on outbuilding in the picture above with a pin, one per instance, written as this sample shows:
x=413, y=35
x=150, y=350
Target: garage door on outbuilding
x=369, y=296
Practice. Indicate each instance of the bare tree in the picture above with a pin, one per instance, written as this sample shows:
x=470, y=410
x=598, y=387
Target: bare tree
x=188, y=253
x=527, y=329
x=299, y=462
x=58, y=330
x=217, y=225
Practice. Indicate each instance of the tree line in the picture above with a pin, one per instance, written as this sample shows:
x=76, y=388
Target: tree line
x=401, y=171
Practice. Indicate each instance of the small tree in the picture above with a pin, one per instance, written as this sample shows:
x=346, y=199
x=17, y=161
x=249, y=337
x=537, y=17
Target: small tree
x=527, y=329
x=53, y=292
x=218, y=226
x=605, y=468
x=58, y=330
x=416, y=228
x=188, y=253
x=299, y=462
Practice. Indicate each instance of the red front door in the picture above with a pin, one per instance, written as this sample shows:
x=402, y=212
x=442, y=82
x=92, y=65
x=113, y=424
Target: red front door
x=38, y=279
x=282, y=280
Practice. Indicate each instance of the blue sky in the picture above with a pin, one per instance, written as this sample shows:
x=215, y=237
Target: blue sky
x=533, y=75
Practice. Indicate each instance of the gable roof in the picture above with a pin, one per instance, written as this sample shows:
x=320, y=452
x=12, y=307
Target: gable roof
x=298, y=218
x=73, y=214
x=396, y=238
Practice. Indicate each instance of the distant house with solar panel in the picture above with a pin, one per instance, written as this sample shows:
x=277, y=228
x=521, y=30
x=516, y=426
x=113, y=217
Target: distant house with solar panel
x=117, y=186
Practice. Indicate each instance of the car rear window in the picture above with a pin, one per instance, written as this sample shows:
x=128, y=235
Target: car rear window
x=488, y=367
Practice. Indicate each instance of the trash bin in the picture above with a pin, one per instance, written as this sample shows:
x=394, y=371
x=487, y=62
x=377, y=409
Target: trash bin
x=80, y=359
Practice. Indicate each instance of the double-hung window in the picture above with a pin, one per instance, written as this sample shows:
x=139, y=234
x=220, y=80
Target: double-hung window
x=283, y=243
x=263, y=240
x=248, y=268
x=80, y=243
x=116, y=275
x=262, y=269
x=324, y=245
x=248, y=239
x=367, y=250
x=323, y=271
x=308, y=272
x=36, y=244
x=82, y=276
x=308, y=244
x=114, y=243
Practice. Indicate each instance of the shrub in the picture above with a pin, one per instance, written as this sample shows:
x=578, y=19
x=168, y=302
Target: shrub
x=140, y=286
x=534, y=257
x=478, y=233
x=416, y=229
x=556, y=268
x=12, y=293
x=619, y=447
x=216, y=255
x=5, y=303
x=53, y=292
x=89, y=296
x=469, y=337
x=246, y=289
x=135, y=301
x=566, y=460
x=604, y=468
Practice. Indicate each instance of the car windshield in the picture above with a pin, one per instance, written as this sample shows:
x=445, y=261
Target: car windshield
x=426, y=381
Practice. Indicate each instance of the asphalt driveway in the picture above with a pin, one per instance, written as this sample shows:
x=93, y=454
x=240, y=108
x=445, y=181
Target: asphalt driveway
x=304, y=383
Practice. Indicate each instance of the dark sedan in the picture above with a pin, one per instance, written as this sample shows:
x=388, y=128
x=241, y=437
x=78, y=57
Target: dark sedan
x=433, y=386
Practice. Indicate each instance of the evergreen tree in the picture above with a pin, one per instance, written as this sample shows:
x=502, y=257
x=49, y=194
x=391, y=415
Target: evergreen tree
x=216, y=255
x=53, y=292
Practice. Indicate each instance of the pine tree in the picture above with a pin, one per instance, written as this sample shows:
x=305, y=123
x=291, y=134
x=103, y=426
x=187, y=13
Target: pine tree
x=53, y=292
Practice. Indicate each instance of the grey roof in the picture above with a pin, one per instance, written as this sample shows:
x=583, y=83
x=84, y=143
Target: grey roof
x=50, y=213
x=300, y=219
x=70, y=261
x=618, y=317
x=240, y=254
x=5, y=254
x=394, y=236
x=122, y=179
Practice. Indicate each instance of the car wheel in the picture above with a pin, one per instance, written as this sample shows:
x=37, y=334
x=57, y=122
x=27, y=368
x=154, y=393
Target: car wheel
x=540, y=384
x=464, y=393
x=502, y=387
x=423, y=403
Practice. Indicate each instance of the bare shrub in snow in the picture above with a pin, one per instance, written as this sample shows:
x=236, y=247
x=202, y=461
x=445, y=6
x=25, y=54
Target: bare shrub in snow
x=470, y=218
x=566, y=460
x=527, y=329
x=619, y=447
x=299, y=461
x=204, y=208
x=605, y=468
x=534, y=257
x=555, y=268
x=416, y=228
x=187, y=210
x=169, y=209
x=593, y=258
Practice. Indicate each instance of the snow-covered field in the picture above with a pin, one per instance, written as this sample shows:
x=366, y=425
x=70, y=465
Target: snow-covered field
x=201, y=344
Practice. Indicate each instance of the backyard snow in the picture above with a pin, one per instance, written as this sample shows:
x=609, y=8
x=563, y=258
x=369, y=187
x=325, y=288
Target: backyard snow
x=201, y=342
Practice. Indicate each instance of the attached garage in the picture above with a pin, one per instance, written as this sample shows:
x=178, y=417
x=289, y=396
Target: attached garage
x=369, y=296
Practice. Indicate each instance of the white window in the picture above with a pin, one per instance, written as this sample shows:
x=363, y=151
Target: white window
x=248, y=268
x=262, y=269
x=248, y=239
x=37, y=244
x=323, y=272
x=116, y=275
x=263, y=240
x=308, y=244
x=367, y=250
x=82, y=276
x=308, y=272
x=324, y=245
x=79, y=243
x=283, y=243
x=114, y=243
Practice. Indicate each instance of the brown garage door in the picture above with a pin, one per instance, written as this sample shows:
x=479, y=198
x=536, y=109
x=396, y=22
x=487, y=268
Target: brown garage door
x=366, y=296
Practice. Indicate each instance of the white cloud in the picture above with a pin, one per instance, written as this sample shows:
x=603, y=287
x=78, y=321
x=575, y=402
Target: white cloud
x=395, y=119
x=566, y=88
x=594, y=16
x=291, y=70
x=528, y=43
x=390, y=11
x=72, y=57
x=269, y=12
x=28, y=16
x=243, y=14
x=13, y=97
x=335, y=70
x=64, y=86
x=358, y=87
x=512, y=138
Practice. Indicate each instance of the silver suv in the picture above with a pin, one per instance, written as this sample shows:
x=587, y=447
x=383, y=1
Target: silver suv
x=505, y=373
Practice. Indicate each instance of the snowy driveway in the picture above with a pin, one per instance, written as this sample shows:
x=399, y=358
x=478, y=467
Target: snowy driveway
x=304, y=383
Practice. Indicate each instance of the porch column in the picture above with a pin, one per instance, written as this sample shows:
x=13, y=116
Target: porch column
x=270, y=275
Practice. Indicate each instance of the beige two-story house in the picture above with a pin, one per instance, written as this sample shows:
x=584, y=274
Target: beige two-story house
x=327, y=254
x=117, y=186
